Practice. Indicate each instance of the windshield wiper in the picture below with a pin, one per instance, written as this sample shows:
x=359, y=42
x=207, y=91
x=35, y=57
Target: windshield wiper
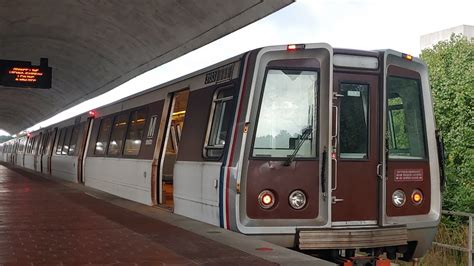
x=306, y=132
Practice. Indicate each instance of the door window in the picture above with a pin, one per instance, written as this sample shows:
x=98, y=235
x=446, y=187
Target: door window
x=103, y=137
x=135, y=133
x=59, y=147
x=354, y=121
x=118, y=135
x=405, y=119
x=75, y=134
x=221, y=118
x=67, y=140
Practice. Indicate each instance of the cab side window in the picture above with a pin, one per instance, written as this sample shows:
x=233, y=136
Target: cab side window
x=220, y=119
x=406, y=127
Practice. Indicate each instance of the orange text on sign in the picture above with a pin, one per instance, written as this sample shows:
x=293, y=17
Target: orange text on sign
x=25, y=74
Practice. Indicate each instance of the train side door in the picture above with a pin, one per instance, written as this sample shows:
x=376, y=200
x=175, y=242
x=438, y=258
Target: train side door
x=50, y=147
x=355, y=154
x=411, y=184
x=36, y=152
x=44, y=140
x=170, y=150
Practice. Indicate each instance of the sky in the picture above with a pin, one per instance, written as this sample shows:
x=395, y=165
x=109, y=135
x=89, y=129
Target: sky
x=356, y=24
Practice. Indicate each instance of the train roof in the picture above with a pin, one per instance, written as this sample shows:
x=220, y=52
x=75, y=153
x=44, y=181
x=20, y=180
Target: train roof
x=373, y=53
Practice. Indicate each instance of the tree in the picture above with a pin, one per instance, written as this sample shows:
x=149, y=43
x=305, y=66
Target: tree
x=451, y=69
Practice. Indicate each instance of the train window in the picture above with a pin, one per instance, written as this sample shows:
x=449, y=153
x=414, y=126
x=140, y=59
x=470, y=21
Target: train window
x=34, y=146
x=103, y=137
x=48, y=148
x=135, y=133
x=59, y=147
x=29, y=144
x=354, y=121
x=75, y=134
x=118, y=134
x=27, y=147
x=405, y=119
x=221, y=112
x=287, y=119
x=36, y=143
x=41, y=147
x=67, y=140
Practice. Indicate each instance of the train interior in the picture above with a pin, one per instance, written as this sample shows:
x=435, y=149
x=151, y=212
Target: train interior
x=178, y=112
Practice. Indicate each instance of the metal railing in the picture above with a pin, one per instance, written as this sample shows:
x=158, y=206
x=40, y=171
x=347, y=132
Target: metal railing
x=469, y=236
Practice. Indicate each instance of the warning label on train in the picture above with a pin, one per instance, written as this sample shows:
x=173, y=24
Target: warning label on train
x=408, y=175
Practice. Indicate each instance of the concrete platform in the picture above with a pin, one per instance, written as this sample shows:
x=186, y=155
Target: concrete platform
x=50, y=222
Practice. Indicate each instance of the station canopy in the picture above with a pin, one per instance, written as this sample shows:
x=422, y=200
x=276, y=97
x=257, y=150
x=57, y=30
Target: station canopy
x=94, y=46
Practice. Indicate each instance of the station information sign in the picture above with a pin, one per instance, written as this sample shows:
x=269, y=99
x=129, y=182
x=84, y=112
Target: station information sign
x=24, y=75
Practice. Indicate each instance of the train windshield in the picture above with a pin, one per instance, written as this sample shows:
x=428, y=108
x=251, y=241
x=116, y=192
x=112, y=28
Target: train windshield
x=287, y=117
x=405, y=119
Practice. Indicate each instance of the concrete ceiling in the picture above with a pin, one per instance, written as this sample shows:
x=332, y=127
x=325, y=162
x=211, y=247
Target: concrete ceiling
x=94, y=46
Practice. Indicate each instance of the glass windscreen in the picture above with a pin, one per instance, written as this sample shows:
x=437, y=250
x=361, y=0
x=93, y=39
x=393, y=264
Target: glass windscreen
x=405, y=119
x=287, y=119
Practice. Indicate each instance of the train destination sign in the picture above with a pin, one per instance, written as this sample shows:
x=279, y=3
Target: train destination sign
x=24, y=75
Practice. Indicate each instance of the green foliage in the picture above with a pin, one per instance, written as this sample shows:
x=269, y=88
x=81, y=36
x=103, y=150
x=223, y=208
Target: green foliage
x=451, y=69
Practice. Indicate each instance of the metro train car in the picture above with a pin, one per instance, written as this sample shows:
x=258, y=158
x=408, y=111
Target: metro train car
x=323, y=150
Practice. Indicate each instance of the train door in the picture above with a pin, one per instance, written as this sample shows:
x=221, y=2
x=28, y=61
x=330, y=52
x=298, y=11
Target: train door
x=169, y=155
x=355, y=154
x=411, y=187
x=43, y=150
x=49, y=150
x=44, y=138
x=36, y=152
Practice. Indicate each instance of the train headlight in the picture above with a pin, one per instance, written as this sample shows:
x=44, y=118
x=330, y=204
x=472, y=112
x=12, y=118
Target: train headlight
x=399, y=198
x=266, y=199
x=297, y=199
x=417, y=197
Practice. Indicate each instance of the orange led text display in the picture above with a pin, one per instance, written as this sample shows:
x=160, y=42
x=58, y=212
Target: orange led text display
x=24, y=75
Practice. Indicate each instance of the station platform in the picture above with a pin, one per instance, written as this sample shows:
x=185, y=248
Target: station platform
x=46, y=221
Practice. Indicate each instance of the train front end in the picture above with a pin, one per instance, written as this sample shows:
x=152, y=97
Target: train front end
x=334, y=151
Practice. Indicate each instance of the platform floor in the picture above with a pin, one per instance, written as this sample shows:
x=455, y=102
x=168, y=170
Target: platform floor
x=49, y=222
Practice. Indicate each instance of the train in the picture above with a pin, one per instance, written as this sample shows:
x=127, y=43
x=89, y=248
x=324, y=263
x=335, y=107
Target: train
x=320, y=149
